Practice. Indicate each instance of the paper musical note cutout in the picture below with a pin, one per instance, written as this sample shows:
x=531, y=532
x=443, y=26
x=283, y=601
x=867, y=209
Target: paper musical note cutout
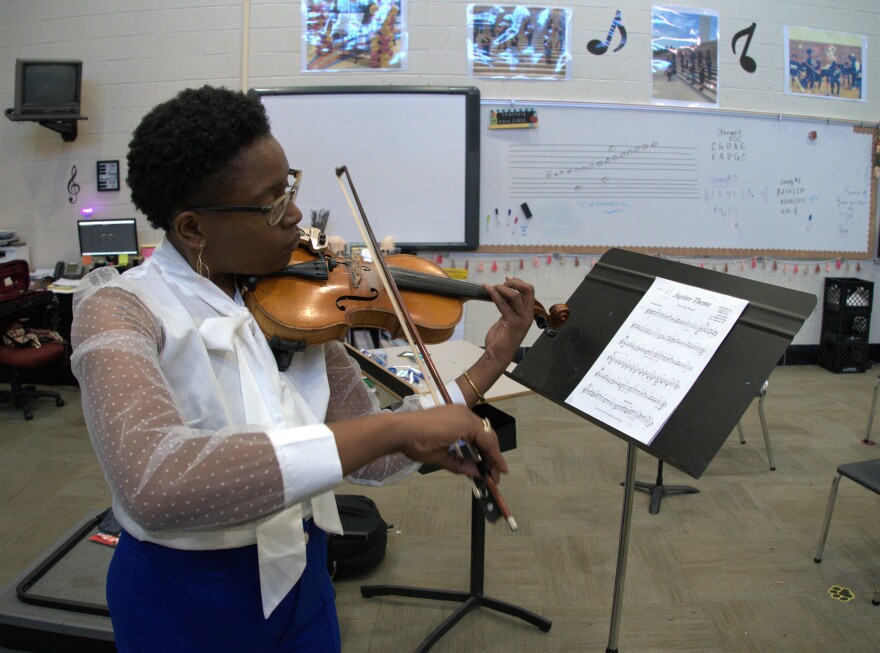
x=748, y=64
x=601, y=47
x=72, y=186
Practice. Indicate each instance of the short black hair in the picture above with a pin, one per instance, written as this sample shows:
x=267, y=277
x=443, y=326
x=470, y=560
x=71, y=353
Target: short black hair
x=183, y=150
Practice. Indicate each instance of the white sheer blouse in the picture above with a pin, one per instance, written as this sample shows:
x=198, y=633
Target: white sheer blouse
x=203, y=442
x=168, y=474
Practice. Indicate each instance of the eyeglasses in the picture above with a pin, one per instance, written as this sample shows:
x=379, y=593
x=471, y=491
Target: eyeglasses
x=274, y=211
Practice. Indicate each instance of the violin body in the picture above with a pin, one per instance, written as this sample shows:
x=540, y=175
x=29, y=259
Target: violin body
x=346, y=293
x=319, y=297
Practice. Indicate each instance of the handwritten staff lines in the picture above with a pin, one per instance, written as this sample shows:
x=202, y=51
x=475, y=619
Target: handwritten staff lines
x=518, y=194
x=694, y=326
x=576, y=167
x=603, y=182
x=654, y=333
x=599, y=153
x=629, y=411
x=601, y=148
x=581, y=164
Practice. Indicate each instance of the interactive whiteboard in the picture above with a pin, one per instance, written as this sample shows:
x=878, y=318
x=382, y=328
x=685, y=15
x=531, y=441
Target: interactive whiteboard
x=413, y=154
x=682, y=181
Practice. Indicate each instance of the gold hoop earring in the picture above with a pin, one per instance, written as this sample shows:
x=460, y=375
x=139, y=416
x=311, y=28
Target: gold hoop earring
x=201, y=268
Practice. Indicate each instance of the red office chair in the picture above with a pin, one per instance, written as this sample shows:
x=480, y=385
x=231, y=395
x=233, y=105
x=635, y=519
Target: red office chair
x=19, y=359
x=22, y=348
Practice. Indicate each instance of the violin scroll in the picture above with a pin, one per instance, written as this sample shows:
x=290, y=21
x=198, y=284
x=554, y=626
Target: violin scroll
x=549, y=322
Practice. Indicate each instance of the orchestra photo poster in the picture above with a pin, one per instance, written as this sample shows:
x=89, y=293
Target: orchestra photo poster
x=825, y=64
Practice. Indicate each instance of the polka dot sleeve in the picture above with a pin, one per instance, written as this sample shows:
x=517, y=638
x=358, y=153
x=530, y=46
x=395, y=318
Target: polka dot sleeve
x=166, y=475
x=351, y=398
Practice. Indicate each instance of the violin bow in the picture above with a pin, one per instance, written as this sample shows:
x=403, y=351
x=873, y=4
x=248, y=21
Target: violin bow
x=416, y=343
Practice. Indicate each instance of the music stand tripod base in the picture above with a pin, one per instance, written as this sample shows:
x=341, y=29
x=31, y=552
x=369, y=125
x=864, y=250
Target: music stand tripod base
x=658, y=490
x=469, y=600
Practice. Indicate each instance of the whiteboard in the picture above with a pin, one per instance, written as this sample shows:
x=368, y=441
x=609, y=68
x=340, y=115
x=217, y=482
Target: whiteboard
x=677, y=180
x=412, y=152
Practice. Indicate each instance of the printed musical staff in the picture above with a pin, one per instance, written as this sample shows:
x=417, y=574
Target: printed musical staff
x=663, y=356
x=654, y=333
x=627, y=388
x=619, y=407
x=655, y=357
x=643, y=372
x=682, y=322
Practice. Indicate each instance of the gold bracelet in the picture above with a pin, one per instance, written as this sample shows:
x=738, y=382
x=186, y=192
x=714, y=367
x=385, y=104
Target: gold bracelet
x=480, y=397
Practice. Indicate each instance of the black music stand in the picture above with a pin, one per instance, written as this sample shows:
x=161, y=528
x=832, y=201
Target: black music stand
x=474, y=597
x=698, y=428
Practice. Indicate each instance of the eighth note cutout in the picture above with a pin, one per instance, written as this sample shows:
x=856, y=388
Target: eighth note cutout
x=601, y=47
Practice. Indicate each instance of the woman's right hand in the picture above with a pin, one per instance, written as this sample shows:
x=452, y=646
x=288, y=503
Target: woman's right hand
x=434, y=432
x=426, y=436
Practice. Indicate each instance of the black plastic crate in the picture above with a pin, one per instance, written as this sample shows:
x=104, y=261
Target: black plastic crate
x=846, y=294
x=843, y=357
x=846, y=326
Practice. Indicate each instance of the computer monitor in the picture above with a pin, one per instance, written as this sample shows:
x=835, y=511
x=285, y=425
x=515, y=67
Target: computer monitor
x=108, y=237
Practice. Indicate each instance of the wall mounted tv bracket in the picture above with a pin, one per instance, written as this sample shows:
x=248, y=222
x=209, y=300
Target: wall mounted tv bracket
x=64, y=125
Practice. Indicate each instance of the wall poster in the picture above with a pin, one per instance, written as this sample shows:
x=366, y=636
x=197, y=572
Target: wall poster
x=519, y=41
x=684, y=65
x=353, y=35
x=825, y=64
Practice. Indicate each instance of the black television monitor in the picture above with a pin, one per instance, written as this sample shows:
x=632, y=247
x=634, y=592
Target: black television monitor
x=108, y=237
x=48, y=87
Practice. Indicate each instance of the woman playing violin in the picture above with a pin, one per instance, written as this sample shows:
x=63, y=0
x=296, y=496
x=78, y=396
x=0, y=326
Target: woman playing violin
x=222, y=467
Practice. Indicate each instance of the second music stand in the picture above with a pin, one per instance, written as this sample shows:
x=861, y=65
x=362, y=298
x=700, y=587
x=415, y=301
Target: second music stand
x=471, y=599
x=474, y=597
x=657, y=490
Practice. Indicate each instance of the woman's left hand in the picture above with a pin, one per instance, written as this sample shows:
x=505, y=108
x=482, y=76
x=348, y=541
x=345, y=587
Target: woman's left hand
x=515, y=300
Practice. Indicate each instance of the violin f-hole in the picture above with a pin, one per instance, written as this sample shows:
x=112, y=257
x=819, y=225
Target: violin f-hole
x=373, y=296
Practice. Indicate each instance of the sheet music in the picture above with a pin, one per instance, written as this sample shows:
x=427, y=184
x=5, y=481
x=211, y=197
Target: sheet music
x=655, y=357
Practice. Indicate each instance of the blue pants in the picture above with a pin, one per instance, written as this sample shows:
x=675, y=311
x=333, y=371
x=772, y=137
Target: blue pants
x=164, y=599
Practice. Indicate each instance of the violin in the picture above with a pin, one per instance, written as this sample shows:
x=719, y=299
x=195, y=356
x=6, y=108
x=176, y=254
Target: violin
x=319, y=296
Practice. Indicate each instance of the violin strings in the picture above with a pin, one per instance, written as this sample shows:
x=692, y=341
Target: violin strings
x=369, y=240
x=430, y=381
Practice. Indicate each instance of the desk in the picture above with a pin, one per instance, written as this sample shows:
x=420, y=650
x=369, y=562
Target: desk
x=451, y=358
